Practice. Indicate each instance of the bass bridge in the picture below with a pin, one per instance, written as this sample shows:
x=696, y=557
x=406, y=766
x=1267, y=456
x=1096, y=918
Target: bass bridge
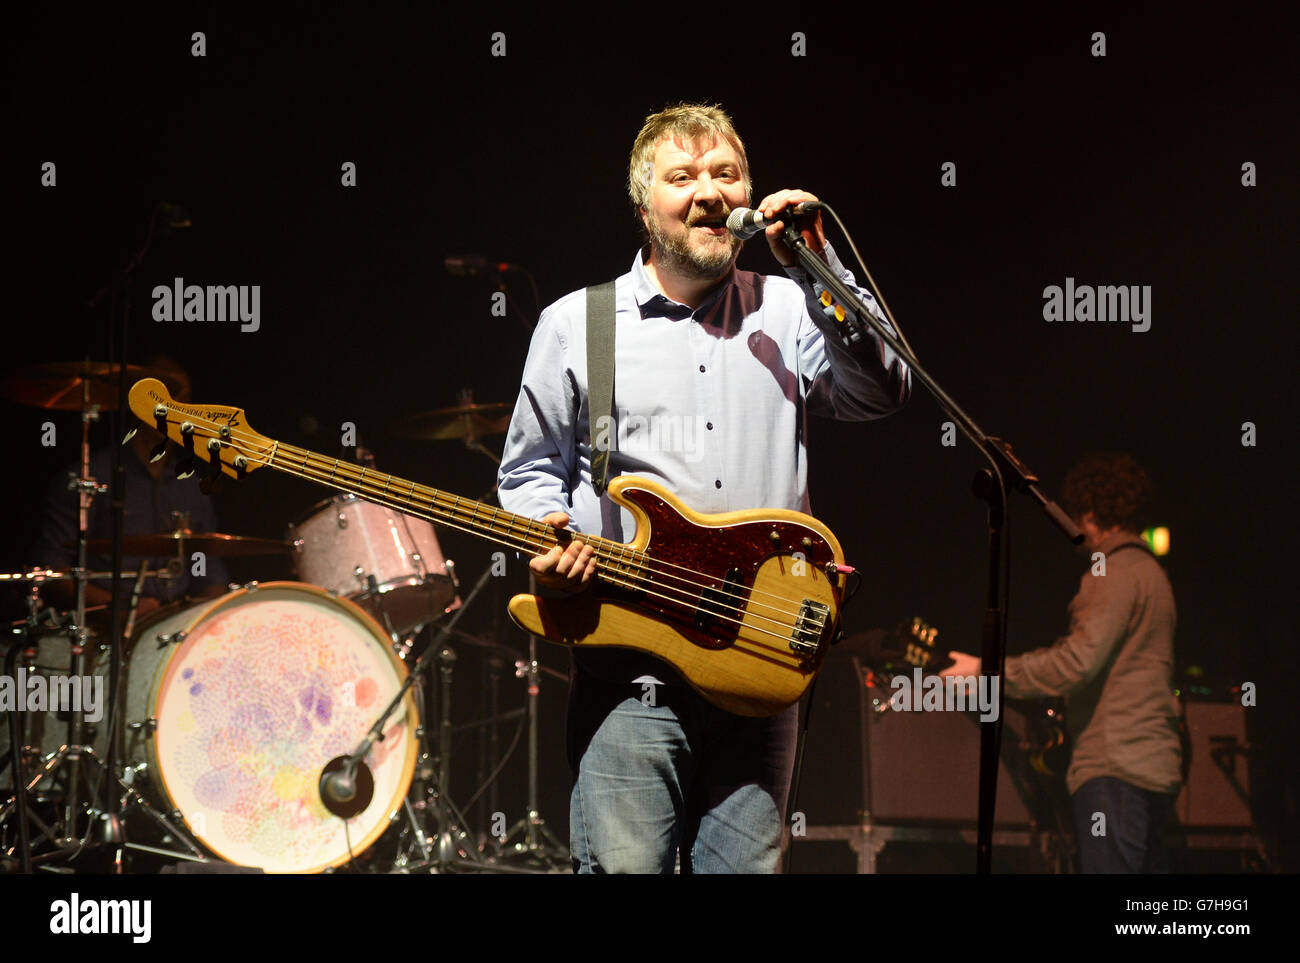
x=811, y=628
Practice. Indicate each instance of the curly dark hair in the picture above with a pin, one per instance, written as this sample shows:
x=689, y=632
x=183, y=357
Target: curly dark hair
x=1111, y=485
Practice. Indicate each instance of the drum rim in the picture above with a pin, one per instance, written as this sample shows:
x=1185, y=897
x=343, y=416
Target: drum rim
x=324, y=503
x=404, y=582
x=159, y=779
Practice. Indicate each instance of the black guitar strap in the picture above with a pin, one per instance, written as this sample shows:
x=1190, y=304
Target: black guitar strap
x=600, y=380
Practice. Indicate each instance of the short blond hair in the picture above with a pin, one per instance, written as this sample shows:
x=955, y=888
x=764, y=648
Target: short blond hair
x=689, y=122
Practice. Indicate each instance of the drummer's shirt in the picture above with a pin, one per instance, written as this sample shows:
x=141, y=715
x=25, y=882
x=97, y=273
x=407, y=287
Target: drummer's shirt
x=149, y=505
x=710, y=402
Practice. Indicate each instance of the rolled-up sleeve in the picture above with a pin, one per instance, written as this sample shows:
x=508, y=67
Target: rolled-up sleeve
x=865, y=381
x=539, y=464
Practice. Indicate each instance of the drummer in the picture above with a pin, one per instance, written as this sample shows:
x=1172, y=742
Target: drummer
x=155, y=501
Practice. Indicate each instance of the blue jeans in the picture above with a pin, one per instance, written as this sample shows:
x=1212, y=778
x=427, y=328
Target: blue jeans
x=1135, y=827
x=678, y=776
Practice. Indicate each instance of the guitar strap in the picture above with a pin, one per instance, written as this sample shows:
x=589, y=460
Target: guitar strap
x=600, y=380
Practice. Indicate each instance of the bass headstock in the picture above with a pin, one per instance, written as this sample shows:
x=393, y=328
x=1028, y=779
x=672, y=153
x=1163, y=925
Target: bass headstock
x=216, y=434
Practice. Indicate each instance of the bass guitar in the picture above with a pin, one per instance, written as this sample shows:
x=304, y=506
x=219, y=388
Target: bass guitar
x=744, y=604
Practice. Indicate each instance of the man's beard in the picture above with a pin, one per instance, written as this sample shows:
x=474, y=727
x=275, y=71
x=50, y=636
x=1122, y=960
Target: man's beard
x=678, y=257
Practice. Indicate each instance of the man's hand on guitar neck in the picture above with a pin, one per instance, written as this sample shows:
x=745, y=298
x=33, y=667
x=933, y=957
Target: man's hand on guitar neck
x=568, y=568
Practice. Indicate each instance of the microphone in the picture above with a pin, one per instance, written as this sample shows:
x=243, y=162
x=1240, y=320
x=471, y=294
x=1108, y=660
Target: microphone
x=744, y=223
x=473, y=265
x=339, y=787
x=346, y=786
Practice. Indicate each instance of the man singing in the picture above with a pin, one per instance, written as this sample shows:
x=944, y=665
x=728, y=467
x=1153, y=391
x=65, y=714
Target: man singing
x=715, y=371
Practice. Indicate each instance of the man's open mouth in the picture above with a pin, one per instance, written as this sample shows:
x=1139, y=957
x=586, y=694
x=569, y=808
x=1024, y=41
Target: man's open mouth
x=713, y=223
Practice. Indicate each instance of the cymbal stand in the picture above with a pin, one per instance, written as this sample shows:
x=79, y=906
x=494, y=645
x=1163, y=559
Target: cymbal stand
x=533, y=838
x=64, y=833
x=86, y=488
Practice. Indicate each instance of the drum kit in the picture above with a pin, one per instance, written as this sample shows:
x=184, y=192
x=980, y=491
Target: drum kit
x=287, y=725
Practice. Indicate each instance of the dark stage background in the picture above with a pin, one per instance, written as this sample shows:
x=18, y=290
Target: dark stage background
x=1122, y=169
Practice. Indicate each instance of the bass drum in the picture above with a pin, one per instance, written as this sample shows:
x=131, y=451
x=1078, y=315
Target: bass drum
x=236, y=704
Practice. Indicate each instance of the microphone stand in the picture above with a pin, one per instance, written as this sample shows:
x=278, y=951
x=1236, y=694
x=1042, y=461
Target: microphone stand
x=991, y=486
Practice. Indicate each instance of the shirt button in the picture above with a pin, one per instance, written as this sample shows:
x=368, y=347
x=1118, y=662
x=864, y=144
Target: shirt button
x=717, y=483
x=701, y=368
x=709, y=426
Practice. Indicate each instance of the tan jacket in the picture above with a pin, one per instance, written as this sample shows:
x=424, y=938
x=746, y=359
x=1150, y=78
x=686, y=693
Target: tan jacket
x=1115, y=670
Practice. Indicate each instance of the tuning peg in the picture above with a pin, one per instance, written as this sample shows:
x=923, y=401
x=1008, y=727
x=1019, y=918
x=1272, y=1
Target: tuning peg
x=185, y=467
x=157, y=451
x=130, y=434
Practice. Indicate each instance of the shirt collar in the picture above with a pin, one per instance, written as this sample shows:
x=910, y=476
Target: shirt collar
x=1113, y=542
x=654, y=303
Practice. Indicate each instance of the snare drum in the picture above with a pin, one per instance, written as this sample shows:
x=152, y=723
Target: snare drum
x=236, y=704
x=344, y=541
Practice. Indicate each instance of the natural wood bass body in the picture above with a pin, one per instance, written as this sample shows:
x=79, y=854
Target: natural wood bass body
x=746, y=666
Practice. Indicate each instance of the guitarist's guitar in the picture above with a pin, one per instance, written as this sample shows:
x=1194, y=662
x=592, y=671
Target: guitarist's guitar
x=743, y=604
x=913, y=645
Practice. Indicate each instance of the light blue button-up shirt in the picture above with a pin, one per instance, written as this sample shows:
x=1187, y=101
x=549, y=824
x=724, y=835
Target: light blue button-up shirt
x=711, y=403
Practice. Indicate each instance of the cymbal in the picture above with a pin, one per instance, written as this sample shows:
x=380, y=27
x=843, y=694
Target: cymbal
x=172, y=543
x=40, y=576
x=56, y=386
x=457, y=422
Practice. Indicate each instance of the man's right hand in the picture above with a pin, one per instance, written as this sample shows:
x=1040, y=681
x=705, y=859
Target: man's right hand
x=568, y=568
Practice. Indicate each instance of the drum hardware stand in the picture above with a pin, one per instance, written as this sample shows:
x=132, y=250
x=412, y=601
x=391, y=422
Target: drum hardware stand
x=105, y=825
x=86, y=488
x=347, y=785
x=63, y=831
x=489, y=745
x=130, y=799
x=16, y=748
x=163, y=220
x=534, y=838
x=371, y=586
x=415, y=826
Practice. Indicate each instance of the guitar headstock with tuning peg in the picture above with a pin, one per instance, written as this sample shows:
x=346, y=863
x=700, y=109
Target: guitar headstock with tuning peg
x=216, y=434
x=907, y=646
